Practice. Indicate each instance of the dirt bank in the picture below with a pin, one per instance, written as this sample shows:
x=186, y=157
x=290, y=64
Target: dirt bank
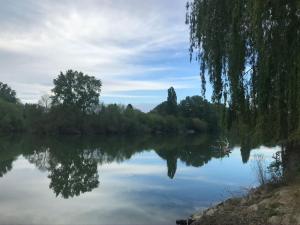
x=262, y=206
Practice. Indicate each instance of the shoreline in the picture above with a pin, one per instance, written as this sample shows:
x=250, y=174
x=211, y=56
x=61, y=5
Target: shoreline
x=264, y=205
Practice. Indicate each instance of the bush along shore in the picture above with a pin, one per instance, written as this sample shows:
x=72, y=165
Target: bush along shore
x=74, y=108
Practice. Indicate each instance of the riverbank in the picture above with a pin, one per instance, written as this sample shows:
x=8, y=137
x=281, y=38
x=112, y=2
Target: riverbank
x=261, y=206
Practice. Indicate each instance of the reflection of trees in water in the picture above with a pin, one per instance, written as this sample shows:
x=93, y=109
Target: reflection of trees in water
x=245, y=153
x=194, y=152
x=8, y=154
x=40, y=158
x=172, y=167
x=72, y=162
x=72, y=176
x=72, y=170
x=5, y=166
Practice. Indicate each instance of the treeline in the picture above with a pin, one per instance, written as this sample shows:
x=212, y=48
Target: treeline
x=74, y=109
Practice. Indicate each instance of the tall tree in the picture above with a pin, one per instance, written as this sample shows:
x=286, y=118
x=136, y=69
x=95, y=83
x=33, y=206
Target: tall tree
x=250, y=50
x=45, y=102
x=7, y=94
x=76, y=89
x=172, y=101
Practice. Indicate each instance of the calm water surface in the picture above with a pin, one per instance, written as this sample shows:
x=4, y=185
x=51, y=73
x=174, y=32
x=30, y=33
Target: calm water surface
x=102, y=180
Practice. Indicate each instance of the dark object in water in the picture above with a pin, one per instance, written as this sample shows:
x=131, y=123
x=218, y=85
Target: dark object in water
x=185, y=222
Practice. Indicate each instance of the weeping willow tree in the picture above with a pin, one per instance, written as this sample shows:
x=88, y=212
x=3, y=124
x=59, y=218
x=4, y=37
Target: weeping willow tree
x=249, y=50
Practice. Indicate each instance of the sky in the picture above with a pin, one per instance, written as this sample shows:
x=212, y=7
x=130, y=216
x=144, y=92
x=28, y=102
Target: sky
x=137, y=48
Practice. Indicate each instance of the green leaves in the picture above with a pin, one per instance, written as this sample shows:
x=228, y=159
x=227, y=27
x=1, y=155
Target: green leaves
x=11, y=117
x=172, y=101
x=249, y=50
x=76, y=89
x=7, y=94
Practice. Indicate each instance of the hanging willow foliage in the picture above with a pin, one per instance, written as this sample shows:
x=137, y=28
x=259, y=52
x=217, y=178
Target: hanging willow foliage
x=250, y=51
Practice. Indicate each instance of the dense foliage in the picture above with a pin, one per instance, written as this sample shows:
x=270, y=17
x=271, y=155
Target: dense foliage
x=199, y=114
x=250, y=51
x=76, y=89
x=11, y=117
x=75, y=108
x=7, y=94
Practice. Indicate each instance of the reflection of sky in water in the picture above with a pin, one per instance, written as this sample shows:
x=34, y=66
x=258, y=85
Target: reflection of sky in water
x=137, y=191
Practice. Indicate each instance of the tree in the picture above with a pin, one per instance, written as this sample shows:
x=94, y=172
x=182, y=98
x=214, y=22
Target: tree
x=194, y=106
x=77, y=90
x=7, y=94
x=45, y=102
x=35, y=118
x=129, y=107
x=11, y=118
x=168, y=107
x=161, y=108
x=172, y=101
x=250, y=50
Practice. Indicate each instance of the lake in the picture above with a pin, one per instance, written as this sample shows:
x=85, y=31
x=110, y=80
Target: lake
x=118, y=180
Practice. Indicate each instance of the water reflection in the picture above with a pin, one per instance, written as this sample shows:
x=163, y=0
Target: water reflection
x=5, y=166
x=72, y=176
x=71, y=163
x=114, y=179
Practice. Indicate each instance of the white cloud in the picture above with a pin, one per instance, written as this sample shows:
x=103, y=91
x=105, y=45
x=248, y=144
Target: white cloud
x=107, y=39
x=141, y=85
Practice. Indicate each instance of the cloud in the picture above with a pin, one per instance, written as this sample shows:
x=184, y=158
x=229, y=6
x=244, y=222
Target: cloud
x=142, y=85
x=126, y=43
